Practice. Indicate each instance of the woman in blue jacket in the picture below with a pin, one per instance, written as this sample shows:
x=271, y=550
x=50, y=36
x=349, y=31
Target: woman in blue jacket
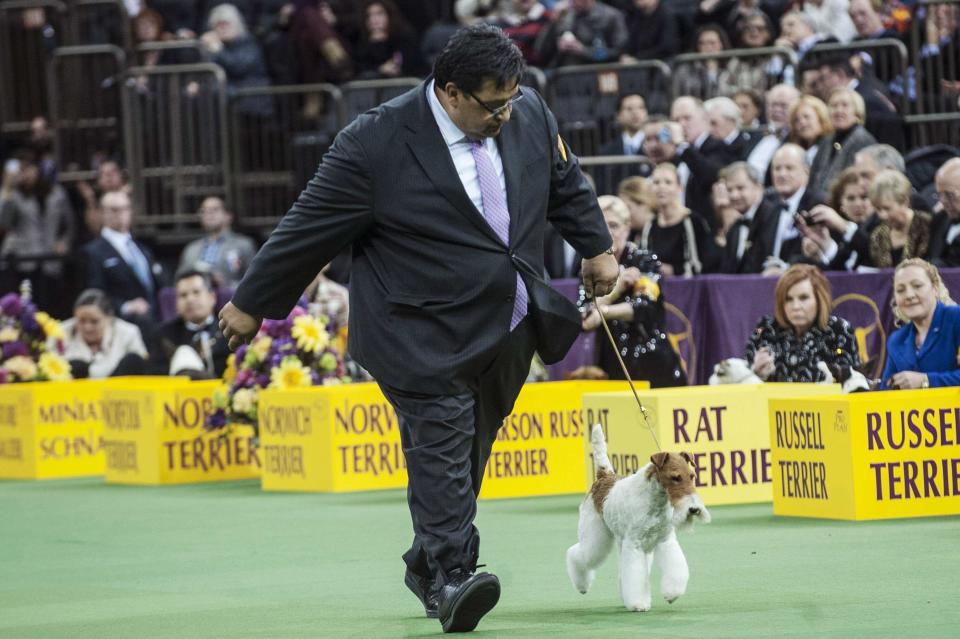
x=923, y=352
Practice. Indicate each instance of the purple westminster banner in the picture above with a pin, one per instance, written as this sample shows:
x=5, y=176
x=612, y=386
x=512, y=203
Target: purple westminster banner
x=710, y=318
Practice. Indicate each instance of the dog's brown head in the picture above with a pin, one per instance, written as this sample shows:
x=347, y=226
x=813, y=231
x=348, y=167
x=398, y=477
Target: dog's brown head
x=588, y=373
x=674, y=473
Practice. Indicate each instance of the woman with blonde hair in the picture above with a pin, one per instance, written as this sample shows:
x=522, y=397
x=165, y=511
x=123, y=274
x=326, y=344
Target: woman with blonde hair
x=902, y=233
x=680, y=238
x=837, y=151
x=923, y=352
x=634, y=310
x=635, y=192
x=787, y=346
x=809, y=122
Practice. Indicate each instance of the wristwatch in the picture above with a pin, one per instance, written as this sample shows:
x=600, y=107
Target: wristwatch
x=609, y=251
x=926, y=382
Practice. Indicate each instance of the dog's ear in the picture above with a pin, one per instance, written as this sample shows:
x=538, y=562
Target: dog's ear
x=687, y=457
x=659, y=459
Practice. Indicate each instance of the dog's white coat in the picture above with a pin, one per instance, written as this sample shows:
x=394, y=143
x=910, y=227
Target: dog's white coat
x=733, y=370
x=640, y=520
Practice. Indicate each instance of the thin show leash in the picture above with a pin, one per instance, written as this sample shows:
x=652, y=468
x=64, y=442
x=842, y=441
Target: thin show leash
x=626, y=374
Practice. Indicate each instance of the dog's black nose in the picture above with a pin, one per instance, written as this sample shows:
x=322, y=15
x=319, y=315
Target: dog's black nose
x=694, y=511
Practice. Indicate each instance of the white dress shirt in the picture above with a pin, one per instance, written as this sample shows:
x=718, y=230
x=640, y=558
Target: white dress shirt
x=459, y=146
x=786, y=230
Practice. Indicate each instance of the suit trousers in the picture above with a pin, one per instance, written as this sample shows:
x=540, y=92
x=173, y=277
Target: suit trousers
x=446, y=442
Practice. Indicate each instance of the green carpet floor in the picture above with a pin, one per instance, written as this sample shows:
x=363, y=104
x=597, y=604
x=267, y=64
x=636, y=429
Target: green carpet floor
x=82, y=559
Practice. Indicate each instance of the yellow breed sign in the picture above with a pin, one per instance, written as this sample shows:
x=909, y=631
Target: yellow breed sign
x=724, y=428
x=156, y=436
x=347, y=438
x=867, y=455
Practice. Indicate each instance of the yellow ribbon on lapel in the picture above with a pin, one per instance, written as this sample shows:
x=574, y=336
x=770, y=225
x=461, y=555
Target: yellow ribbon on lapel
x=561, y=148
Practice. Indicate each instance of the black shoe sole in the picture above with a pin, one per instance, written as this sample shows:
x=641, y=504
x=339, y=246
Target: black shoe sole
x=470, y=607
x=410, y=581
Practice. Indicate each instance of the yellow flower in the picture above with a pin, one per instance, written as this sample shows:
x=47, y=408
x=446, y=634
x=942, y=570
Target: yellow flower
x=41, y=317
x=261, y=346
x=230, y=372
x=22, y=367
x=54, y=367
x=290, y=374
x=648, y=287
x=310, y=334
x=9, y=334
x=52, y=329
x=221, y=394
x=244, y=400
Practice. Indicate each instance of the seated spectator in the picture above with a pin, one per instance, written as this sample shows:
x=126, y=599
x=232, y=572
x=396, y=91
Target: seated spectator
x=700, y=156
x=702, y=78
x=631, y=116
x=148, y=29
x=322, y=52
x=99, y=345
x=922, y=353
x=750, y=102
x=868, y=22
x=635, y=193
x=756, y=32
x=837, y=235
x=121, y=267
x=830, y=17
x=724, y=117
x=586, y=32
x=634, y=311
x=779, y=100
x=680, y=239
x=523, y=21
x=191, y=344
x=799, y=32
x=836, y=151
x=777, y=237
x=221, y=252
x=730, y=13
x=110, y=177
x=880, y=115
x=654, y=33
x=387, y=48
x=809, y=124
x=902, y=233
x=787, y=346
x=744, y=190
x=230, y=45
x=945, y=230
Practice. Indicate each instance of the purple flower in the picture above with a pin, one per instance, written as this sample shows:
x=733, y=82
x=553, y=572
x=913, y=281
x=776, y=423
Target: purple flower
x=263, y=380
x=241, y=352
x=275, y=360
x=278, y=328
x=218, y=419
x=11, y=305
x=315, y=377
x=29, y=322
x=3, y=376
x=13, y=349
x=244, y=378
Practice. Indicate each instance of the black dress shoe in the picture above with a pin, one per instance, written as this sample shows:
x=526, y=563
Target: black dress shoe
x=465, y=598
x=424, y=589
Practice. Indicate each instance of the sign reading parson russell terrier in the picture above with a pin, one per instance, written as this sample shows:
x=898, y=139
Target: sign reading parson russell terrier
x=640, y=514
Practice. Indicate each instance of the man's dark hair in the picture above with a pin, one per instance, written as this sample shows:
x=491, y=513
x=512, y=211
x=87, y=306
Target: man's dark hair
x=195, y=272
x=624, y=96
x=478, y=53
x=838, y=64
x=94, y=297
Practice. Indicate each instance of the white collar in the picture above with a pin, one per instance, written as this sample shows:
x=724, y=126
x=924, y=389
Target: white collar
x=115, y=237
x=752, y=210
x=793, y=202
x=701, y=139
x=196, y=327
x=451, y=132
x=730, y=139
x=854, y=83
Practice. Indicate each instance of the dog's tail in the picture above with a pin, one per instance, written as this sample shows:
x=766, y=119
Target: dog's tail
x=600, y=459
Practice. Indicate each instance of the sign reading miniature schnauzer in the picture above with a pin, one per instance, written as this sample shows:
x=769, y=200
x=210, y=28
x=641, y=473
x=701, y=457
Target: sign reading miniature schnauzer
x=723, y=428
x=867, y=455
x=155, y=435
x=347, y=438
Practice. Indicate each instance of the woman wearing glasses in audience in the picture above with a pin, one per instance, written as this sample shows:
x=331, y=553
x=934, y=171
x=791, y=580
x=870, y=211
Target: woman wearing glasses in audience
x=923, y=352
x=634, y=310
x=787, y=346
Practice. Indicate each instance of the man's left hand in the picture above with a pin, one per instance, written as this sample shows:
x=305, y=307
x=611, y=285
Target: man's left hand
x=599, y=275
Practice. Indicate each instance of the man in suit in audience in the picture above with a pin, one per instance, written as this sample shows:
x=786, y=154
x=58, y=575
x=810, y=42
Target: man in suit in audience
x=223, y=253
x=123, y=268
x=699, y=156
x=444, y=194
x=725, y=122
x=779, y=100
x=883, y=121
x=744, y=188
x=945, y=231
x=631, y=116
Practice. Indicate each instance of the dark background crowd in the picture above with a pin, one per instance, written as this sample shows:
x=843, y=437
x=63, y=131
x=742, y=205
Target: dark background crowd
x=784, y=135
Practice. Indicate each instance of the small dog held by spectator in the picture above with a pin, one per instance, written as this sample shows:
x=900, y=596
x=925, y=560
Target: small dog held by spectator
x=639, y=514
x=733, y=370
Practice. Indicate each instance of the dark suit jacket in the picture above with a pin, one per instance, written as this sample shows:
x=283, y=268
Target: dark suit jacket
x=108, y=271
x=860, y=242
x=751, y=261
x=704, y=164
x=432, y=285
x=940, y=252
x=883, y=120
x=607, y=178
x=174, y=334
x=765, y=233
x=828, y=163
x=742, y=145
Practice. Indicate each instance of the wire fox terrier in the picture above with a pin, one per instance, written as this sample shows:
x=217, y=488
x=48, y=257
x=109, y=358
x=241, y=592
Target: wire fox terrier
x=641, y=514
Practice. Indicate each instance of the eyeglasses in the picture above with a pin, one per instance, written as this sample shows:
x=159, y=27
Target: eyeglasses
x=496, y=111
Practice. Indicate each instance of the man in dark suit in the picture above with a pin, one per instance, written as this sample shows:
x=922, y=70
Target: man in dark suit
x=191, y=343
x=631, y=116
x=725, y=119
x=744, y=187
x=945, y=231
x=882, y=120
x=444, y=193
x=699, y=156
x=121, y=267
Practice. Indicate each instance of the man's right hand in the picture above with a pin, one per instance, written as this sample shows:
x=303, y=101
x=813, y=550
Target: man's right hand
x=599, y=275
x=238, y=327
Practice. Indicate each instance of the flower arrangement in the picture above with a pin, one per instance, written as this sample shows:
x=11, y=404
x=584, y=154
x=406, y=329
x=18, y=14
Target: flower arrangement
x=294, y=352
x=25, y=334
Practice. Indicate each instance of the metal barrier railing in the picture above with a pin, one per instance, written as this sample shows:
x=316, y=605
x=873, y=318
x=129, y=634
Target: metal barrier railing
x=608, y=171
x=934, y=86
x=274, y=159
x=99, y=22
x=884, y=58
x=29, y=29
x=169, y=52
x=535, y=78
x=362, y=95
x=933, y=128
x=584, y=98
x=178, y=150
x=85, y=106
x=757, y=69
